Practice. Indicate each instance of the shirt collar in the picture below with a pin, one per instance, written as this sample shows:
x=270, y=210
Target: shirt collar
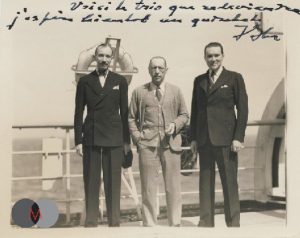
x=162, y=86
x=218, y=73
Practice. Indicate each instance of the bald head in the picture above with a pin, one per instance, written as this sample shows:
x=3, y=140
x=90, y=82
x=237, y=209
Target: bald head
x=160, y=58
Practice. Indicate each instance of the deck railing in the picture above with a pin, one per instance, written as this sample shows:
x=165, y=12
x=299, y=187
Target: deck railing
x=129, y=185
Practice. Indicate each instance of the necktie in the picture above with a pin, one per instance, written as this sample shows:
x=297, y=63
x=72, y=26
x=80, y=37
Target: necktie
x=158, y=94
x=212, y=79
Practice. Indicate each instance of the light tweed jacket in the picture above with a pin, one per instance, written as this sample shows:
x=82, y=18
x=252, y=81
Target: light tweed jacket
x=173, y=110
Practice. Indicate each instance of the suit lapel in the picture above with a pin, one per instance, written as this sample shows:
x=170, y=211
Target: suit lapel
x=150, y=92
x=220, y=81
x=203, y=83
x=165, y=95
x=109, y=83
x=94, y=83
x=96, y=86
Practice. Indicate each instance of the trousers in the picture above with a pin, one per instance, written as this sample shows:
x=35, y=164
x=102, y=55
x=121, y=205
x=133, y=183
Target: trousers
x=151, y=159
x=109, y=159
x=227, y=163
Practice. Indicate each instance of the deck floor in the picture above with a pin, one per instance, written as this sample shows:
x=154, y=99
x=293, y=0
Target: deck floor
x=270, y=218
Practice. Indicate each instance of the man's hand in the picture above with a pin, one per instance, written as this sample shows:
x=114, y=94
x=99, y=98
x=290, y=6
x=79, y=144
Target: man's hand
x=170, y=130
x=79, y=149
x=236, y=146
x=127, y=148
x=194, y=147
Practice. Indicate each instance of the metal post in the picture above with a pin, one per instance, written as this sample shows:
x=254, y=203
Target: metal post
x=132, y=190
x=68, y=173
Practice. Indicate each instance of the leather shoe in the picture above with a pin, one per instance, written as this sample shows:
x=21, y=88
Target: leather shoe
x=232, y=224
x=90, y=224
x=204, y=224
x=114, y=225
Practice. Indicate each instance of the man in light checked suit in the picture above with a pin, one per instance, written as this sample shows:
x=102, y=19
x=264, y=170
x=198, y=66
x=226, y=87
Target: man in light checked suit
x=157, y=113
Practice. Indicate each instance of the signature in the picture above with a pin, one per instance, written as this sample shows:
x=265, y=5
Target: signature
x=256, y=33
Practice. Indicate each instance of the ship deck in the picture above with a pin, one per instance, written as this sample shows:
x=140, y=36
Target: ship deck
x=270, y=218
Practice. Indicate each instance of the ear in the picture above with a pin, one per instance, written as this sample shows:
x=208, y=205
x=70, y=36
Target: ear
x=149, y=70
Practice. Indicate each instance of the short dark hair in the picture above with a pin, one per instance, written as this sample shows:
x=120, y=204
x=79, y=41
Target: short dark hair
x=158, y=57
x=214, y=44
x=103, y=45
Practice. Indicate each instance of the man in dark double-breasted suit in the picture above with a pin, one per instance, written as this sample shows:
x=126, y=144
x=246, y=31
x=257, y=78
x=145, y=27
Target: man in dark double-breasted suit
x=218, y=121
x=103, y=137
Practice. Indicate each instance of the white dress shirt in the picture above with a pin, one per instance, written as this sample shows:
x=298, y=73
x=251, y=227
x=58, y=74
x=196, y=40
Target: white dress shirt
x=102, y=78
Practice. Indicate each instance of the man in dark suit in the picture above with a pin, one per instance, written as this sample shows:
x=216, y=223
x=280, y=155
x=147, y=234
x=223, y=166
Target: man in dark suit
x=104, y=136
x=218, y=121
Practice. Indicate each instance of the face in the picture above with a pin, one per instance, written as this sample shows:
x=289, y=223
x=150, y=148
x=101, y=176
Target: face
x=103, y=58
x=214, y=57
x=157, y=70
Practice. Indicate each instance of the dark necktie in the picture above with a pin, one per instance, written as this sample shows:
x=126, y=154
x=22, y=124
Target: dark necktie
x=212, y=79
x=158, y=94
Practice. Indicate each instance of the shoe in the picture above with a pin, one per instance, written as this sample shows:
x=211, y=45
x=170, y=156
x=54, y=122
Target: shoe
x=231, y=224
x=90, y=224
x=204, y=224
x=114, y=225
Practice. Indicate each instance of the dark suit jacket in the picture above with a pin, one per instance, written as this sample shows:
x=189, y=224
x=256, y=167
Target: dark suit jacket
x=213, y=112
x=106, y=123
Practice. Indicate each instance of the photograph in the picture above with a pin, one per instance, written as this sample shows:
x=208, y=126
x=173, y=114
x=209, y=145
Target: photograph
x=135, y=117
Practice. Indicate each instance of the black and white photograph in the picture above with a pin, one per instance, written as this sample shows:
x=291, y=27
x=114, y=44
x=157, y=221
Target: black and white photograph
x=161, y=118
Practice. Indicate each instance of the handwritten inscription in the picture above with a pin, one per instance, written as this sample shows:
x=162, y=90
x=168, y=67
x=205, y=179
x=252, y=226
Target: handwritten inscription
x=59, y=16
x=256, y=33
x=252, y=7
x=237, y=18
x=130, y=18
x=144, y=11
x=92, y=6
x=142, y=6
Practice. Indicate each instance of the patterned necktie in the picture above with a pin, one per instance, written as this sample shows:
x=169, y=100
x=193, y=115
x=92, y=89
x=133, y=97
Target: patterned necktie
x=158, y=94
